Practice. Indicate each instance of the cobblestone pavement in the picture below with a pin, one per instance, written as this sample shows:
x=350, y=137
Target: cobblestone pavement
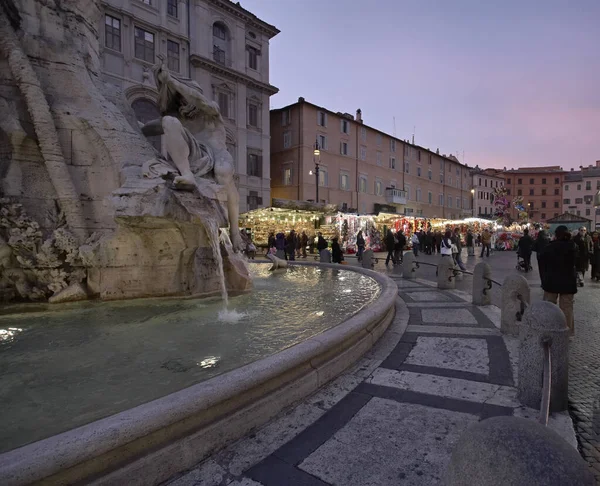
x=395, y=415
x=584, y=370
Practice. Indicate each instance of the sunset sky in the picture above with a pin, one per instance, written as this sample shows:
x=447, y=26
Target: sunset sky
x=510, y=83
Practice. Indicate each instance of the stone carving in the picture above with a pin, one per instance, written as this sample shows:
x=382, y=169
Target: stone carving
x=195, y=140
x=278, y=263
x=72, y=140
x=34, y=266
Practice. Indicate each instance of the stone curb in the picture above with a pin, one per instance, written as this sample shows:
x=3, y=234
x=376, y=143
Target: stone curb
x=153, y=441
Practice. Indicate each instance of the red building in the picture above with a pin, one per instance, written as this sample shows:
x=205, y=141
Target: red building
x=541, y=188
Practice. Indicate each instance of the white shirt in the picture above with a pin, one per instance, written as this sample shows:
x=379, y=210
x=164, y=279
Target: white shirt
x=446, y=250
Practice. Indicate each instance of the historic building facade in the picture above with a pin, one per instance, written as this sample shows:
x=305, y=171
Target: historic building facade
x=361, y=168
x=485, y=182
x=218, y=44
x=541, y=188
x=579, y=190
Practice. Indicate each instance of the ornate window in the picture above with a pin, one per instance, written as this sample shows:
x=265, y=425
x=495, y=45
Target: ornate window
x=220, y=43
x=172, y=8
x=112, y=33
x=173, y=56
x=144, y=45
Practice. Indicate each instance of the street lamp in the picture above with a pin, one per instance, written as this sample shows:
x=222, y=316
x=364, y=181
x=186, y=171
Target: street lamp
x=473, y=202
x=316, y=160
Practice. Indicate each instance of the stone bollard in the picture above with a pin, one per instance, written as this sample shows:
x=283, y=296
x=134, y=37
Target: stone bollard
x=543, y=321
x=409, y=271
x=458, y=275
x=367, y=259
x=482, y=294
x=445, y=274
x=508, y=450
x=513, y=286
x=325, y=256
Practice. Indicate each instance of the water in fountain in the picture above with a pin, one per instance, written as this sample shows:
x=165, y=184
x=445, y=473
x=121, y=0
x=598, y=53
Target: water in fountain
x=212, y=230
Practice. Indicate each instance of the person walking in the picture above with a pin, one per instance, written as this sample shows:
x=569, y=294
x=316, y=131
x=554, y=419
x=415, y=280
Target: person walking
x=525, y=248
x=486, y=242
x=438, y=241
x=303, y=243
x=595, y=256
x=446, y=245
x=428, y=242
x=336, y=251
x=360, y=245
x=459, y=247
x=321, y=243
x=291, y=244
x=414, y=239
x=280, y=246
x=390, y=241
x=470, y=241
x=559, y=274
x=584, y=249
x=399, y=247
x=271, y=241
x=539, y=245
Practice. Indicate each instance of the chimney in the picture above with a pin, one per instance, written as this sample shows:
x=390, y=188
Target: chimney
x=359, y=116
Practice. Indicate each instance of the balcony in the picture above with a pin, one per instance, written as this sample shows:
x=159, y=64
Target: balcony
x=395, y=196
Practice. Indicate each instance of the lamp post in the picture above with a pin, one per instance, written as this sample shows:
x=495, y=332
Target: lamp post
x=316, y=160
x=473, y=202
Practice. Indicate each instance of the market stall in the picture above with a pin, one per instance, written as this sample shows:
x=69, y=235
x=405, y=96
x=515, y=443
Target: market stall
x=261, y=222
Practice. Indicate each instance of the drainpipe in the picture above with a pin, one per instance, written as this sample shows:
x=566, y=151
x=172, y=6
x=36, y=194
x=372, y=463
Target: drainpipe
x=300, y=145
x=356, y=163
x=189, y=30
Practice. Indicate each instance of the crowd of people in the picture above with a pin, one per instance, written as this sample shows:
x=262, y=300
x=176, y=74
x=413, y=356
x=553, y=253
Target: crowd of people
x=449, y=243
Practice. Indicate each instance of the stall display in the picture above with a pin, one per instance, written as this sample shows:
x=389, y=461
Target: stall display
x=502, y=206
x=507, y=241
x=263, y=221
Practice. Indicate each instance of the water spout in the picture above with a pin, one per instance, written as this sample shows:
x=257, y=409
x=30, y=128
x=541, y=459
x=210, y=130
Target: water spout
x=212, y=230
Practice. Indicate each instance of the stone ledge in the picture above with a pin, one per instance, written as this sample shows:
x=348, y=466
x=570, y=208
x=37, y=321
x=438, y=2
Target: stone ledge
x=150, y=443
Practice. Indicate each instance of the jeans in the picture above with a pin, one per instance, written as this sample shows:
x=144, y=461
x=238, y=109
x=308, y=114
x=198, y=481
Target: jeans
x=360, y=252
x=416, y=250
x=565, y=302
x=459, y=261
x=484, y=246
x=398, y=255
x=390, y=256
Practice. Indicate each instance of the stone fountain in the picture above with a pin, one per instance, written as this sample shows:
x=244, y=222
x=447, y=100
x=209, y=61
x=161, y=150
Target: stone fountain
x=88, y=208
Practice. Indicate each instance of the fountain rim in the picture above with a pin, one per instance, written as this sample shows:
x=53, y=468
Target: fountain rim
x=82, y=452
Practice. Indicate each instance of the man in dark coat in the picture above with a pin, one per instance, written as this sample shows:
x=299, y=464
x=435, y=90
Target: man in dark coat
x=290, y=245
x=336, y=251
x=539, y=245
x=525, y=248
x=321, y=243
x=559, y=277
x=399, y=246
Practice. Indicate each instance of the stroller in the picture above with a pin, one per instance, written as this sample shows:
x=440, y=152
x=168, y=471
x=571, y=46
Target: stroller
x=521, y=264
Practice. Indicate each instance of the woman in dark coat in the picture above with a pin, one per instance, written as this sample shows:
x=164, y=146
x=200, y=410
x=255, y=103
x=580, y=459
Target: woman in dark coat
x=559, y=275
x=336, y=251
x=583, y=251
x=540, y=243
x=595, y=257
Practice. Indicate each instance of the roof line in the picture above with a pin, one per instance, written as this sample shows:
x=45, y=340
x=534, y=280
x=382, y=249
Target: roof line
x=303, y=101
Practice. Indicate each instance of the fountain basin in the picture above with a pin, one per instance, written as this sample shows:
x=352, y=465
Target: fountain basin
x=149, y=443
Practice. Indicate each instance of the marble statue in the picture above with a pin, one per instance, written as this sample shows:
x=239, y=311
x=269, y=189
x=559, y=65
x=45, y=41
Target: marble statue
x=88, y=207
x=195, y=139
x=277, y=263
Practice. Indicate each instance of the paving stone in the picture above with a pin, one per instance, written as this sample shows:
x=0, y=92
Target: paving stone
x=208, y=474
x=446, y=387
x=448, y=315
x=243, y=482
x=449, y=352
x=428, y=296
x=420, y=442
